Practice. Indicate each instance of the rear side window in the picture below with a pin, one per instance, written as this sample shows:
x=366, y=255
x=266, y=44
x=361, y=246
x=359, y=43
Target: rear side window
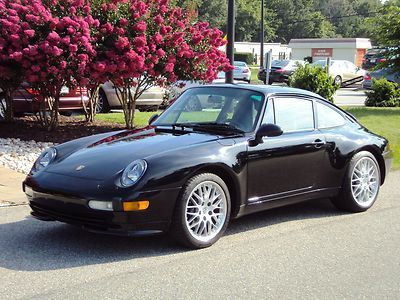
x=328, y=117
x=294, y=114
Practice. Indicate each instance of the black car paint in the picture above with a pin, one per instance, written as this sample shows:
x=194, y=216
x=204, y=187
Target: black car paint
x=297, y=167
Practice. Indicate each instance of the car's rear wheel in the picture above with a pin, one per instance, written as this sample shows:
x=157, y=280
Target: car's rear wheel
x=102, y=105
x=2, y=107
x=361, y=185
x=202, y=212
x=338, y=80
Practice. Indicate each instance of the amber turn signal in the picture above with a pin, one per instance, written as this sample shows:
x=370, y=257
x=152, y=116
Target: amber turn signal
x=136, y=205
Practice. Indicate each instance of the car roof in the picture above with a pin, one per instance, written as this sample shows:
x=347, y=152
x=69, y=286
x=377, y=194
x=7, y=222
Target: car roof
x=266, y=89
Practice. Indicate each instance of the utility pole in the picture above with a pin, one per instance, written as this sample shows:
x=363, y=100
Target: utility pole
x=262, y=36
x=231, y=38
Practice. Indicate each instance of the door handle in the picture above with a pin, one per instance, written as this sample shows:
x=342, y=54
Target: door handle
x=318, y=143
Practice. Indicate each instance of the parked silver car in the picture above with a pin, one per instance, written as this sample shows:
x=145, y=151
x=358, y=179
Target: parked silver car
x=241, y=71
x=341, y=70
x=150, y=100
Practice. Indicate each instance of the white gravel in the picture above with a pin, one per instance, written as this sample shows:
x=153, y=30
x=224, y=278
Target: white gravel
x=20, y=155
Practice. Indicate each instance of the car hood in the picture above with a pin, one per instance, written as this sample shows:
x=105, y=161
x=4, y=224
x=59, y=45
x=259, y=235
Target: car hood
x=110, y=155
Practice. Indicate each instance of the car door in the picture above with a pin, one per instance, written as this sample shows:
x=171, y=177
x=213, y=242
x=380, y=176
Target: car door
x=351, y=70
x=288, y=164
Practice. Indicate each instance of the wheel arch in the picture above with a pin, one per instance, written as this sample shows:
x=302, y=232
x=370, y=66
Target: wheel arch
x=231, y=181
x=381, y=163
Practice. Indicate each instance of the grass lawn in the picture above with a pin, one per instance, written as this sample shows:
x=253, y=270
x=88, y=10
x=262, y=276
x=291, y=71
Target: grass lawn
x=383, y=121
x=141, y=118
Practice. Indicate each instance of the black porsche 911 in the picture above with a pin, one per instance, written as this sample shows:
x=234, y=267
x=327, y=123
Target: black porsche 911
x=217, y=153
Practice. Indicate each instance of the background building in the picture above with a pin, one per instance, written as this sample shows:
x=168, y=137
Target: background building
x=351, y=49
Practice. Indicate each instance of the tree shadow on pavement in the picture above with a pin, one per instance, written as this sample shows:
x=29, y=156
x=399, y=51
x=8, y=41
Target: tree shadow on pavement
x=31, y=245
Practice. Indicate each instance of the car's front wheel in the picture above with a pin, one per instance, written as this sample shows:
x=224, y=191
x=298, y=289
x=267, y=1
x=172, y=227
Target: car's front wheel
x=361, y=184
x=202, y=212
x=338, y=80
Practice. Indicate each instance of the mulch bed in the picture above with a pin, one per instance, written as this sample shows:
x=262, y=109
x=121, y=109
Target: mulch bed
x=27, y=128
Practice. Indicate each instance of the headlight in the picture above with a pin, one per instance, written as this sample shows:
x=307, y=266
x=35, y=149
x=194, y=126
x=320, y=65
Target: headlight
x=133, y=172
x=44, y=160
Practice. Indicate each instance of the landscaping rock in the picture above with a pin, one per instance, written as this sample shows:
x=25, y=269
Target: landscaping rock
x=20, y=155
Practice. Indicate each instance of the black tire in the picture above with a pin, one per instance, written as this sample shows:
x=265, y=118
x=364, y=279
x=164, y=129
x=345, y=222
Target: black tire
x=181, y=227
x=346, y=199
x=102, y=103
x=338, y=80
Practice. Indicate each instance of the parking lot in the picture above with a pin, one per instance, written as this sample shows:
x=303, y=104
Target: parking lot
x=308, y=250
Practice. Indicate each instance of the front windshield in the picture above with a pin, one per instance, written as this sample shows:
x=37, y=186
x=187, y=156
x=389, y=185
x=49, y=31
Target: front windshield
x=237, y=108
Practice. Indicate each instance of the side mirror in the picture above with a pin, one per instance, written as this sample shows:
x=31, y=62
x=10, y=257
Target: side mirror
x=153, y=118
x=269, y=130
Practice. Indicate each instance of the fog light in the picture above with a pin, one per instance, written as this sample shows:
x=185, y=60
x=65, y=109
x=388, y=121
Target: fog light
x=136, y=205
x=100, y=205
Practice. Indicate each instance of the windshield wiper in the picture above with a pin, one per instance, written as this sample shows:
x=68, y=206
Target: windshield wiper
x=206, y=126
x=214, y=126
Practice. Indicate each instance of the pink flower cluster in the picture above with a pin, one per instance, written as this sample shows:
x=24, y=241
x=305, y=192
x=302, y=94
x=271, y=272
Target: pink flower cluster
x=58, y=42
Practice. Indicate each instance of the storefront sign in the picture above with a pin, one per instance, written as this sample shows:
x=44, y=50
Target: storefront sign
x=321, y=52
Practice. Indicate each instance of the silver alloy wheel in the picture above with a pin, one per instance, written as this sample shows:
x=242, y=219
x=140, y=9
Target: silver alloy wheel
x=205, y=211
x=338, y=80
x=2, y=108
x=364, y=182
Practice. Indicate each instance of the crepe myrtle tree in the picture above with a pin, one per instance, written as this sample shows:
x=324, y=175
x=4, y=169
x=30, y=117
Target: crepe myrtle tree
x=61, y=55
x=21, y=22
x=148, y=42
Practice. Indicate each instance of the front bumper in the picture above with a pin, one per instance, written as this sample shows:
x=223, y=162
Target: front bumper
x=50, y=206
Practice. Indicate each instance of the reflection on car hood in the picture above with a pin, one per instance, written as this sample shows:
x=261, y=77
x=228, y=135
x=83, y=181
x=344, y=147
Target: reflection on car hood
x=108, y=156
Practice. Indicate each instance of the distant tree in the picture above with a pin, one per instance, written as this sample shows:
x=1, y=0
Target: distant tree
x=349, y=17
x=298, y=19
x=387, y=32
x=248, y=21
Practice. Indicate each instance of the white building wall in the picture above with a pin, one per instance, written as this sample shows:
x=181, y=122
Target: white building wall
x=278, y=50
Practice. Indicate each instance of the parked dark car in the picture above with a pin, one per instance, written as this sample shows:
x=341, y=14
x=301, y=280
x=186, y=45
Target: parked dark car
x=280, y=70
x=378, y=74
x=26, y=100
x=372, y=58
x=246, y=148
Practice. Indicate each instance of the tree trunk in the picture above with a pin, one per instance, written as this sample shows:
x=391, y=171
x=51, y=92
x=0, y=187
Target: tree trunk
x=90, y=111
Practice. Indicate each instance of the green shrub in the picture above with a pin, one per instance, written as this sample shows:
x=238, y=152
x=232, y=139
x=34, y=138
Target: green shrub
x=383, y=94
x=248, y=58
x=314, y=79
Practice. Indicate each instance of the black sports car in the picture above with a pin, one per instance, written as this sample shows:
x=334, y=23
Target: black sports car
x=218, y=152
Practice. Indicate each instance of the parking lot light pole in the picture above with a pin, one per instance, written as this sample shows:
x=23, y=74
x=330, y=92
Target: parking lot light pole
x=231, y=38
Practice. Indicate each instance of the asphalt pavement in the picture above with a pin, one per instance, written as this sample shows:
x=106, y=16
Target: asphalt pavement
x=309, y=250
x=350, y=96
